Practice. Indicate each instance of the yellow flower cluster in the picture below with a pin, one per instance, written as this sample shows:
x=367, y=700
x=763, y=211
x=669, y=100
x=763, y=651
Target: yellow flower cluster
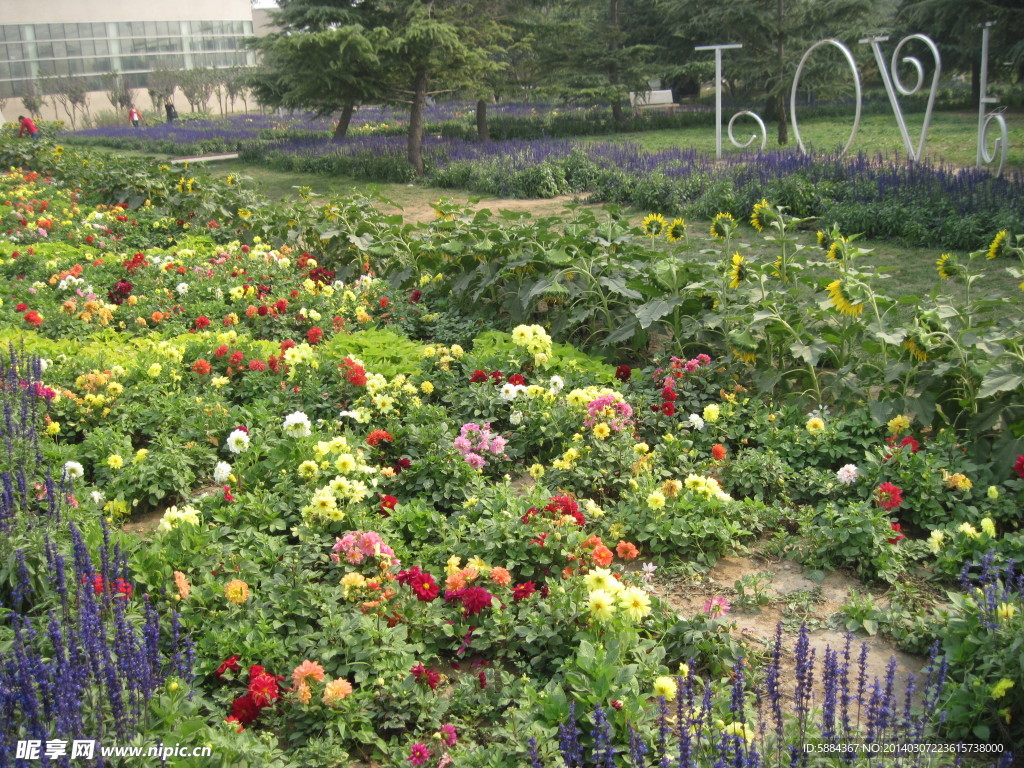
x=175, y=517
x=607, y=596
x=568, y=459
x=329, y=501
x=536, y=341
x=705, y=486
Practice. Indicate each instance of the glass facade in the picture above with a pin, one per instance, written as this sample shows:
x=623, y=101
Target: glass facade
x=90, y=50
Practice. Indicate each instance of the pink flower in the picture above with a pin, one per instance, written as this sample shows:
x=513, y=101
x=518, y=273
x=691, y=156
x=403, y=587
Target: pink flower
x=716, y=606
x=448, y=734
x=475, y=460
x=419, y=754
x=498, y=445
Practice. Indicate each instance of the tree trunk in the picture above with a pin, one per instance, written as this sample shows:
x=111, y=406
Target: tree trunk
x=781, y=98
x=613, y=67
x=482, y=132
x=414, y=147
x=341, y=130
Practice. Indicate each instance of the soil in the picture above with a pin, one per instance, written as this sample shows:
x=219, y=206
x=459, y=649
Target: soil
x=791, y=597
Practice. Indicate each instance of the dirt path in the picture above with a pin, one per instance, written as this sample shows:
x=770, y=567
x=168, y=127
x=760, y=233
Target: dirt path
x=789, y=597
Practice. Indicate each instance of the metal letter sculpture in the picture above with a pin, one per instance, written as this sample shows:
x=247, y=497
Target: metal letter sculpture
x=985, y=119
x=796, y=82
x=893, y=83
x=718, y=105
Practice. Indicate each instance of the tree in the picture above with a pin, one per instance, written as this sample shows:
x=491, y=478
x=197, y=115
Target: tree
x=324, y=71
x=118, y=92
x=774, y=34
x=428, y=43
x=71, y=93
x=955, y=26
x=33, y=99
x=161, y=84
x=197, y=86
x=586, y=53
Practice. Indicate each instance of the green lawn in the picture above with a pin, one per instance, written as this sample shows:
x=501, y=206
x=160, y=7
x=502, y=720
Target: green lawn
x=952, y=136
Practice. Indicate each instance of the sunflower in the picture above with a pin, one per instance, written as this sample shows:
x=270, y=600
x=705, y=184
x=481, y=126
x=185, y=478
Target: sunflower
x=762, y=215
x=676, y=230
x=841, y=300
x=747, y=357
x=947, y=266
x=998, y=246
x=653, y=225
x=915, y=351
x=737, y=272
x=722, y=225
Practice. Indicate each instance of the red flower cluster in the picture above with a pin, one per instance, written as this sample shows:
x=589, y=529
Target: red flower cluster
x=522, y=591
x=263, y=691
x=473, y=599
x=119, y=588
x=623, y=373
x=906, y=442
x=559, y=506
x=122, y=290
x=1018, y=467
x=231, y=663
x=421, y=582
x=718, y=452
x=387, y=504
x=33, y=318
x=427, y=676
x=889, y=496
x=479, y=377
x=315, y=335
x=201, y=366
x=136, y=261
x=377, y=436
x=202, y=322
x=897, y=529
x=353, y=372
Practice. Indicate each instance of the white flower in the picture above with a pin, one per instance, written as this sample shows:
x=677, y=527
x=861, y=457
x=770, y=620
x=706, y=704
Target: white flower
x=696, y=422
x=515, y=418
x=238, y=441
x=349, y=415
x=221, y=472
x=97, y=497
x=511, y=391
x=182, y=289
x=847, y=474
x=557, y=383
x=73, y=470
x=297, y=425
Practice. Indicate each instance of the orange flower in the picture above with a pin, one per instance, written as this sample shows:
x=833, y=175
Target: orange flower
x=307, y=669
x=500, y=576
x=567, y=572
x=718, y=451
x=250, y=311
x=593, y=541
x=602, y=556
x=336, y=690
x=303, y=694
x=181, y=582
x=156, y=317
x=626, y=550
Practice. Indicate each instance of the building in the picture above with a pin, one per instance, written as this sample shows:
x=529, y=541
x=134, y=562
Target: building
x=91, y=38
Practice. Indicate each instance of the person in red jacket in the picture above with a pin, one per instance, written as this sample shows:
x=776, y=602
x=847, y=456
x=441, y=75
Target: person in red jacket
x=134, y=116
x=27, y=126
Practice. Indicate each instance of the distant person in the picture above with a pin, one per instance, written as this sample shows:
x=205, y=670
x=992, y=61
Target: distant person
x=134, y=116
x=171, y=111
x=27, y=127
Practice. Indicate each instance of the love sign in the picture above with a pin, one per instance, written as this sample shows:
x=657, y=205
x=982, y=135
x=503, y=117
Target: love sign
x=894, y=88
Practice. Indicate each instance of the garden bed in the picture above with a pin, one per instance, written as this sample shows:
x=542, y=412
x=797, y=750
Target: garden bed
x=333, y=411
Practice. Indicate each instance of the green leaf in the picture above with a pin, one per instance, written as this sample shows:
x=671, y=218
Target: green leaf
x=809, y=353
x=618, y=285
x=655, y=310
x=999, y=379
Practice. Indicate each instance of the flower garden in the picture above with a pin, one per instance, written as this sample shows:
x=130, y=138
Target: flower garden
x=412, y=493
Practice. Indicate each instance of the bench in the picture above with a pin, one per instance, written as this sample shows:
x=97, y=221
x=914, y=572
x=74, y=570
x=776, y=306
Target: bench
x=652, y=100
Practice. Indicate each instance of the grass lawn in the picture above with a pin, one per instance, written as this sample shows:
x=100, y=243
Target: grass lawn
x=952, y=136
